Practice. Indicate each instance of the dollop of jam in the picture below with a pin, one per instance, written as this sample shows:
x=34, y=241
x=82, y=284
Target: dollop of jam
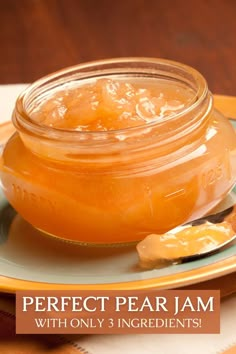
x=188, y=241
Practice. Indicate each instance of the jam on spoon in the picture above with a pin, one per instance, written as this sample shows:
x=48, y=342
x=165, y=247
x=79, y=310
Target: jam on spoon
x=189, y=241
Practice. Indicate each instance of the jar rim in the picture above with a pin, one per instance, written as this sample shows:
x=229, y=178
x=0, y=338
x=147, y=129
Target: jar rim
x=23, y=122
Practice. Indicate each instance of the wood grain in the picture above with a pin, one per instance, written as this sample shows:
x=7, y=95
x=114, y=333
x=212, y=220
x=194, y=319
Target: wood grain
x=41, y=36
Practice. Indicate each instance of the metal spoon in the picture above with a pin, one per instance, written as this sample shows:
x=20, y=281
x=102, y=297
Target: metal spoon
x=147, y=252
x=224, y=215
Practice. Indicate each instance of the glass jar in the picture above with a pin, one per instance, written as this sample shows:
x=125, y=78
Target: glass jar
x=115, y=187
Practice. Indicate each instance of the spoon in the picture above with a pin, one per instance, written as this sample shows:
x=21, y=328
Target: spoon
x=224, y=215
x=148, y=248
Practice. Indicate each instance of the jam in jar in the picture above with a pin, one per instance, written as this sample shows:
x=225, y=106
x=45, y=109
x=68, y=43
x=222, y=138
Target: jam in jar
x=108, y=152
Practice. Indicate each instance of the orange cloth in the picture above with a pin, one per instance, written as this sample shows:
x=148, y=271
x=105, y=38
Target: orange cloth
x=10, y=343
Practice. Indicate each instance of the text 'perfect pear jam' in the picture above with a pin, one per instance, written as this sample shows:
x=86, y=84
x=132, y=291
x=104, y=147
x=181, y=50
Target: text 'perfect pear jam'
x=111, y=151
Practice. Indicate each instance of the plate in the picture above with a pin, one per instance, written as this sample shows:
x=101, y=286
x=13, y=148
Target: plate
x=29, y=260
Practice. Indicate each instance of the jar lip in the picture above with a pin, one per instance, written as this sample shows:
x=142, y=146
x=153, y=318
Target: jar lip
x=22, y=120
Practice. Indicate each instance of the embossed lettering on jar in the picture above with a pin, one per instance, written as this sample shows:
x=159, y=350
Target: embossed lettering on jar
x=111, y=151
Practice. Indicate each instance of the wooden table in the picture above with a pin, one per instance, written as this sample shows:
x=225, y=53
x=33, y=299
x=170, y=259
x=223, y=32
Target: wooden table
x=41, y=36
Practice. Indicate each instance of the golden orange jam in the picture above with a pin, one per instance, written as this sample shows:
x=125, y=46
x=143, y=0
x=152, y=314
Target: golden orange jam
x=109, y=152
x=191, y=240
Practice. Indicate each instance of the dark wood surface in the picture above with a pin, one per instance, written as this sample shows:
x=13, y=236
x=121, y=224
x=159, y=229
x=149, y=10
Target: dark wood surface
x=41, y=36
